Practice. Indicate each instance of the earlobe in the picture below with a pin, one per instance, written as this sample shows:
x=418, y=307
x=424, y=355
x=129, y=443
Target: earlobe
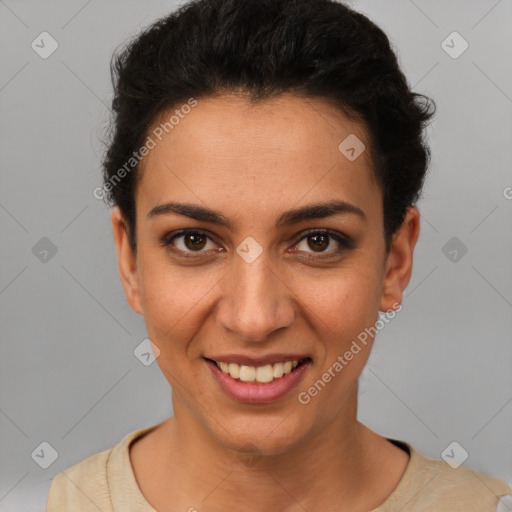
x=126, y=260
x=399, y=261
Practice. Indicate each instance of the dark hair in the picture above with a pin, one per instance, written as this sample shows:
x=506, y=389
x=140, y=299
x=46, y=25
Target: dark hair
x=263, y=48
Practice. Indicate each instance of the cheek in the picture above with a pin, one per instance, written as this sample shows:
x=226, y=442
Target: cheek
x=173, y=299
x=345, y=303
x=341, y=310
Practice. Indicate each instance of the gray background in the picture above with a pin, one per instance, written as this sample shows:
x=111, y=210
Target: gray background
x=441, y=371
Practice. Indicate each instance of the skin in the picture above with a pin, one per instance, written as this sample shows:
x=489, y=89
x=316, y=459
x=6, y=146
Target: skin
x=251, y=163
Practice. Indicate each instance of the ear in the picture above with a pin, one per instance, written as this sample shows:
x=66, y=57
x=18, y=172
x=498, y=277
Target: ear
x=126, y=261
x=399, y=261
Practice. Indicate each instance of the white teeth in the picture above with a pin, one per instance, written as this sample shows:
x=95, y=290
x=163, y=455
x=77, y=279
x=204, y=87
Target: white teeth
x=263, y=374
x=247, y=373
x=278, y=370
x=234, y=370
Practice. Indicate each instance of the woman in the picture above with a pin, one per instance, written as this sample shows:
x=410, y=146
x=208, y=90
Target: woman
x=265, y=163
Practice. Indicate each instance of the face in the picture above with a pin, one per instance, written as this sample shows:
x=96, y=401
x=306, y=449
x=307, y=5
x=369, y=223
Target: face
x=250, y=273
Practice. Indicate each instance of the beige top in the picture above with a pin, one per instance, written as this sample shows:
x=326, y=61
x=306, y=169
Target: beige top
x=105, y=481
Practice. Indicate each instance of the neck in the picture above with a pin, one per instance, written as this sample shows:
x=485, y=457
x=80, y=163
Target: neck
x=210, y=476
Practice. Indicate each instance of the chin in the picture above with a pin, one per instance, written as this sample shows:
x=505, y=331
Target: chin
x=265, y=437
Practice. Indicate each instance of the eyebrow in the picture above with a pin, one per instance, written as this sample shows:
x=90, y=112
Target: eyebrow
x=288, y=218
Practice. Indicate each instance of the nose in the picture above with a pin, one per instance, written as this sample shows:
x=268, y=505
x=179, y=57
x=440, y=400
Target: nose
x=256, y=300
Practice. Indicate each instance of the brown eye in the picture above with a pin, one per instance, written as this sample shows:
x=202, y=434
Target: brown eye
x=188, y=242
x=320, y=242
x=194, y=241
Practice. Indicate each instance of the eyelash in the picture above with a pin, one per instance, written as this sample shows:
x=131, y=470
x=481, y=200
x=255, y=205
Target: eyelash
x=345, y=242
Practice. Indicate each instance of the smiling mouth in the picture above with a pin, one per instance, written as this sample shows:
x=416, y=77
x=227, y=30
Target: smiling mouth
x=259, y=374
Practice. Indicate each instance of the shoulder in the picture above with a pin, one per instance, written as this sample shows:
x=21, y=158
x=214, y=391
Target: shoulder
x=453, y=480
x=432, y=484
x=103, y=481
x=84, y=486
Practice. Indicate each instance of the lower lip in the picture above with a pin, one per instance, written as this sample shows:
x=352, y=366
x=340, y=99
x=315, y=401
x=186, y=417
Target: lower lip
x=255, y=392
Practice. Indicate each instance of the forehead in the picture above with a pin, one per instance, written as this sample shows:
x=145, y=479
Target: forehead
x=267, y=155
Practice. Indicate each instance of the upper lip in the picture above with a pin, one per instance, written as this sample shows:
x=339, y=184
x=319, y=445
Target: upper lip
x=257, y=360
